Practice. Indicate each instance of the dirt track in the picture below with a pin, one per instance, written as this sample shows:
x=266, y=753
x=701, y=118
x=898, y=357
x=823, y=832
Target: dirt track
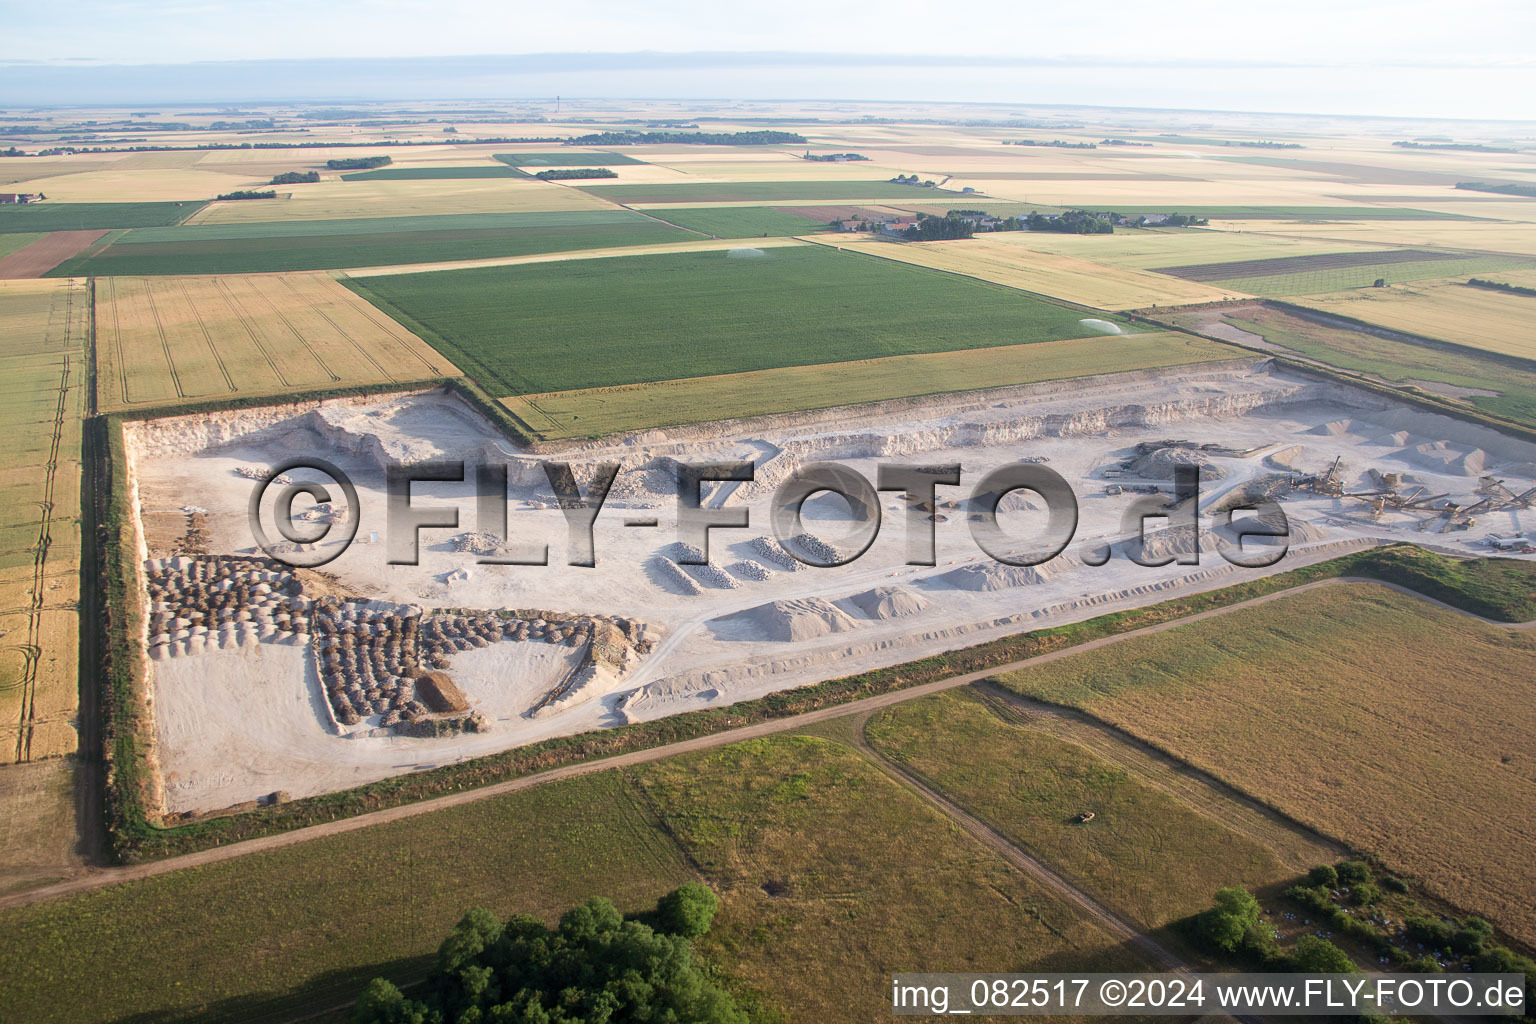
x=43, y=255
x=102, y=877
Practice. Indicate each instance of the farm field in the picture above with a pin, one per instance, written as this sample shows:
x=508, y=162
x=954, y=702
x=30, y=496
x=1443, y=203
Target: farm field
x=12, y=242
x=654, y=318
x=1482, y=236
x=429, y=172
x=734, y=192
x=43, y=330
x=45, y=252
x=1429, y=773
x=698, y=243
x=566, y=158
x=1152, y=248
x=808, y=818
x=596, y=411
x=117, y=183
x=743, y=221
x=1062, y=277
x=1492, y=385
x=169, y=340
x=329, y=245
x=1150, y=857
x=1335, y=279
x=334, y=199
x=51, y=216
x=1447, y=310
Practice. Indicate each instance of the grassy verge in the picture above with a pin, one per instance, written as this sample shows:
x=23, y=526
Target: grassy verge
x=594, y=412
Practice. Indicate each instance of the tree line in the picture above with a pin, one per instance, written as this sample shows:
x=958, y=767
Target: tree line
x=688, y=139
x=564, y=173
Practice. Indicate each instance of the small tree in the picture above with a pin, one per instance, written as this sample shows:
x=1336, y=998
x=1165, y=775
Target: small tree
x=1225, y=925
x=1472, y=936
x=1324, y=875
x=687, y=910
x=1319, y=956
x=1353, y=872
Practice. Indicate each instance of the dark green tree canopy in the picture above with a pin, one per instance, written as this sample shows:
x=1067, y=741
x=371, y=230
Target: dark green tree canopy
x=594, y=967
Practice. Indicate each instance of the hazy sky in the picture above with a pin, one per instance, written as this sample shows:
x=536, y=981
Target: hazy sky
x=1402, y=56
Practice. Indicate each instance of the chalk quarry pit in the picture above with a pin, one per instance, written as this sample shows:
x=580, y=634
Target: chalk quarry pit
x=274, y=700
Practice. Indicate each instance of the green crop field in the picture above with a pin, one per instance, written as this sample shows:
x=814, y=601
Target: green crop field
x=1400, y=362
x=742, y=221
x=327, y=245
x=1317, y=282
x=429, y=171
x=664, y=317
x=41, y=217
x=1420, y=755
x=747, y=191
x=1148, y=856
x=566, y=158
x=11, y=242
x=592, y=412
x=806, y=842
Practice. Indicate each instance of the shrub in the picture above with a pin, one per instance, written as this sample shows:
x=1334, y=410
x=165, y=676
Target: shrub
x=1319, y=956
x=1354, y=872
x=1472, y=936
x=1429, y=930
x=1365, y=894
x=1324, y=875
x=1393, y=884
x=687, y=910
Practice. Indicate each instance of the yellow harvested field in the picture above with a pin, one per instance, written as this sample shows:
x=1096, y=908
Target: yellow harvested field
x=43, y=329
x=1153, y=191
x=702, y=245
x=1396, y=725
x=592, y=412
x=1480, y=236
x=149, y=185
x=1063, y=277
x=173, y=340
x=1168, y=247
x=336, y=199
x=1449, y=310
x=784, y=170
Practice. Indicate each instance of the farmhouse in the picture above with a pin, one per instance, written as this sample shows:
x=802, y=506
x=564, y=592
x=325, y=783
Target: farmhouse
x=17, y=198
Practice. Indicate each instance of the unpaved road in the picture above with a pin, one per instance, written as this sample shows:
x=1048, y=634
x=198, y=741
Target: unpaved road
x=102, y=877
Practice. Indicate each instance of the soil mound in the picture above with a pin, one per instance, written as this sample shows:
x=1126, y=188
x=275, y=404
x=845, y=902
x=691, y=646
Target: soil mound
x=799, y=619
x=888, y=602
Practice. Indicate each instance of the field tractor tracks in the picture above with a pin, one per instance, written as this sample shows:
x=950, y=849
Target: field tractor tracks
x=1016, y=855
x=361, y=350
x=213, y=349
x=32, y=650
x=165, y=344
x=299, y=337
